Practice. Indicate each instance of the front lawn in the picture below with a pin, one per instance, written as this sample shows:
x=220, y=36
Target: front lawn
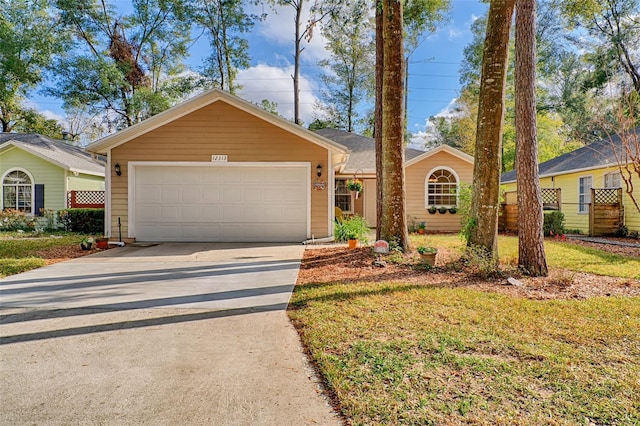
x=18, y=252
x=398, y=354
x=406, y=352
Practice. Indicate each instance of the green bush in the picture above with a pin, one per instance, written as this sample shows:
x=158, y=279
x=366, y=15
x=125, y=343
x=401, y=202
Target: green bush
x=85, y=221
x=353, y=227
x=14, y=220
x=554, y=223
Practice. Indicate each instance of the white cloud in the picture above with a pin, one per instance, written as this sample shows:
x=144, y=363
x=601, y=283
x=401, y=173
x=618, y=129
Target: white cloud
x=275, y=84
x=455, y=33
x=279, y=27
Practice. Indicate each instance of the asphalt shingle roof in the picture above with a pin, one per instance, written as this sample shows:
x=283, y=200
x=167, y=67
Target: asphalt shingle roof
x=69, y=156
x=363, y=149
x=597, y=154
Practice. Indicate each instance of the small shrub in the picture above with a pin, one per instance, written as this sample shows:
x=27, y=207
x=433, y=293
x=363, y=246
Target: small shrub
x=554, y=223
x=49, y=216
x=634, y=234
x=481, y=263
x=622, y=231
x=412, y=224
x=573, y=231
x=467, y=228
x=85, y=221
x=15, y=220
x=353, y=227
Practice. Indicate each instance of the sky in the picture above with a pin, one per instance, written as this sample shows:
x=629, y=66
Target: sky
x=433, y=66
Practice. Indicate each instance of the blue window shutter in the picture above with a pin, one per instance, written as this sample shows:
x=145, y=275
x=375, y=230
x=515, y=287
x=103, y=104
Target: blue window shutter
x=39, y=198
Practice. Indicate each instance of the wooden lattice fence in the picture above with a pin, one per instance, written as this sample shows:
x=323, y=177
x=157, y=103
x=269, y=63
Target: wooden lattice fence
x=85, y=199
x=508, y=219
x=606, y=212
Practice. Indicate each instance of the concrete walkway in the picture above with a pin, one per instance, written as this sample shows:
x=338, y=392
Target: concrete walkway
x=168, y=334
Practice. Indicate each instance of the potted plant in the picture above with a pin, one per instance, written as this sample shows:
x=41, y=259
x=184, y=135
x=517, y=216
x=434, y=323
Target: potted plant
x=432, y=210
x=442, y=209
x=86, y=243
x=422, y=227
x=453, y=210
x=352, y=239
x=428, y=254
x=102, y=242
x=355, y=186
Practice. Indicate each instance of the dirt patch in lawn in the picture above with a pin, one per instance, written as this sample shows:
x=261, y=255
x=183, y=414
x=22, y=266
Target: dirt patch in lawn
x=339, y=264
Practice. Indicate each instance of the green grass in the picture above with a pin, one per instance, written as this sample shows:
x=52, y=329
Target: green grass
x=407, y=354
x=17, y=252
x=563, y=255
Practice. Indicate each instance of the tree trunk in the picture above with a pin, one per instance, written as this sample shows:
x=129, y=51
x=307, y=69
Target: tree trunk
x=531, y=256
x=488, y=150
x=394, y=225
x=296, y=66
x=377, y=126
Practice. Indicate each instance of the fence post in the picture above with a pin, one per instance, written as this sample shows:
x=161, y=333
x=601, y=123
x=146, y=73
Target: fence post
x=592, y=212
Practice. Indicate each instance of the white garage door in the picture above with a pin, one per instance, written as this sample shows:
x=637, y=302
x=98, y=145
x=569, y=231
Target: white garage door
x=230, y=203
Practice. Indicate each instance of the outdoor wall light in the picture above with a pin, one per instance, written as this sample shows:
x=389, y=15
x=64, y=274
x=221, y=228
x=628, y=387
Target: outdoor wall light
x=319, y=170
x=117, y=169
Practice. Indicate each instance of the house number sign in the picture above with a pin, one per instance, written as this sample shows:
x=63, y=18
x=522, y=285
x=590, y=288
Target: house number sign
x=218, y=157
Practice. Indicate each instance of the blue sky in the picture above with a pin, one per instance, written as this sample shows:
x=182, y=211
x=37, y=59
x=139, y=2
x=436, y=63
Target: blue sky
x=433, y=66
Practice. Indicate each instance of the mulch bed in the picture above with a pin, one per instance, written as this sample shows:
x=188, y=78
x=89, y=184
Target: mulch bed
x=60, y=254
x=341, y=265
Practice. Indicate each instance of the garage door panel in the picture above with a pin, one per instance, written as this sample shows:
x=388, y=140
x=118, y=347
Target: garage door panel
x=229, y=203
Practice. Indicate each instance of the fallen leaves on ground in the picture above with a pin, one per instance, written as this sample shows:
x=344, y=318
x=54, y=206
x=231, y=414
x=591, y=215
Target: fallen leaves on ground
x=339, y=264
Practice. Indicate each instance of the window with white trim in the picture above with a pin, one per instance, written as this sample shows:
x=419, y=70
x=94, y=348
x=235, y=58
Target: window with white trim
x=343, y=196
x=585, y=184
x=441, y=189
x=612, y=180
x=17, y=191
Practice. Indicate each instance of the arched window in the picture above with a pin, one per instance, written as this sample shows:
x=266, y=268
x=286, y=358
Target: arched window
x=17, y=191
x=441, y=188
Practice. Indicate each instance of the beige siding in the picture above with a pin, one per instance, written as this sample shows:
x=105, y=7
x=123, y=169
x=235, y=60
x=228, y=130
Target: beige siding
x=416, y=176
x=219, y=129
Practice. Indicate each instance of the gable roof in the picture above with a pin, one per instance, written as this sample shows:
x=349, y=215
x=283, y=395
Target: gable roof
x=596, y=155
x=363, y=150
x=200, y=101
x=70, y=157
x=441, y=148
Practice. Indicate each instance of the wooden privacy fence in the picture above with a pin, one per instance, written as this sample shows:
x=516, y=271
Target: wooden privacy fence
x=508, y=219
x=606, y=212
x=85, y=199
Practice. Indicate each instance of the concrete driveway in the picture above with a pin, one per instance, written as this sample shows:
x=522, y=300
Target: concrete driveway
x=166, y=334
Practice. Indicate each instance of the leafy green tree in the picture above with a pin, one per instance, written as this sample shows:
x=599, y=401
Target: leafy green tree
x=126, y=67
x=613, y=29
x=31, y=35
x=224, y=23
x=28, y=120
x=350, y=77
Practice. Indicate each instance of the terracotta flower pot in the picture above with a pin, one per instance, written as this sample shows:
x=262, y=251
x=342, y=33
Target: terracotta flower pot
x=352, y=243
x=429, y=258
x=102, y=243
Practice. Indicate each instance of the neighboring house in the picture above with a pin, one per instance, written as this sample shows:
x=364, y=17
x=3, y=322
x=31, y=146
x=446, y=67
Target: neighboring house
x=38, y=172
x=432, y=178
x=218, y=168
x=575, y=174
